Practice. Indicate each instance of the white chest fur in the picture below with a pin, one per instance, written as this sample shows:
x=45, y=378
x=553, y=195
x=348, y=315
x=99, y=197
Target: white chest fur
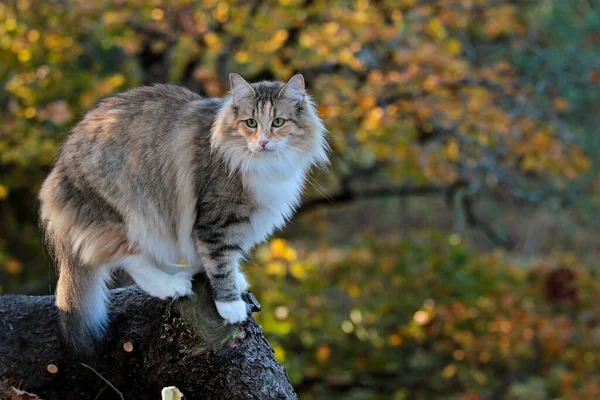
x=276, y=200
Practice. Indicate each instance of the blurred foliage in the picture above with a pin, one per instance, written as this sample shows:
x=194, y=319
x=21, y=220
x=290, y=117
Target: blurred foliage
x=471, y=99
x=561, y=54
x=427, y=318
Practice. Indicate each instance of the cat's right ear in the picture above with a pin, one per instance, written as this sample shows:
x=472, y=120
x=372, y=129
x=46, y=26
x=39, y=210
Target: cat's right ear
x=240, y=89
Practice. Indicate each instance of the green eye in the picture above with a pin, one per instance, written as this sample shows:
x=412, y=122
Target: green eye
x=251, y=123
x=277, y=122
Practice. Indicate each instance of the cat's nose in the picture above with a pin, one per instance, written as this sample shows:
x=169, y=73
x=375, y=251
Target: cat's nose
x=263, y=143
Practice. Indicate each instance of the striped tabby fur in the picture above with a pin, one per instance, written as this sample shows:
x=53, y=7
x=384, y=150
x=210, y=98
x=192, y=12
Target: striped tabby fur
x=158, y=174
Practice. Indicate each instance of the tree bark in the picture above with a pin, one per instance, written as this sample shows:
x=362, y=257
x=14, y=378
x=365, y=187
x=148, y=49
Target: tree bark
x=151, y=344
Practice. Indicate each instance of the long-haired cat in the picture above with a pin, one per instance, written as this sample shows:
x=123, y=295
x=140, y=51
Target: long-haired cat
x=158, y=174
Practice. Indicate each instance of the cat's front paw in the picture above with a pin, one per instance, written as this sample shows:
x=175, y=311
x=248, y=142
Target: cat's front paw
x=232, y=311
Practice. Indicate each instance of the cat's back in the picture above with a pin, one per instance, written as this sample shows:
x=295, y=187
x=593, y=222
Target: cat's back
x=159, y=93
x=135, y=146
x=148, y=109
x=135, y=156
x=138, y=128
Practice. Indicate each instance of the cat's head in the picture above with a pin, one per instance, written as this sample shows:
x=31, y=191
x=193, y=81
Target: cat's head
x=269, y=124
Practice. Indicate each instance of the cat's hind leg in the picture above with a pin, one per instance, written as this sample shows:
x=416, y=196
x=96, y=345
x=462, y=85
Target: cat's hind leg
x=154, y=281
x=242, y=283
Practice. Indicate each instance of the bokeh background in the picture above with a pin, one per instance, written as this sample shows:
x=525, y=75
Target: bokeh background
x=451, y=250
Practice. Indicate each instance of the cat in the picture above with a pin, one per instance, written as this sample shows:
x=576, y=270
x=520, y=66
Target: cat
x=158, y=174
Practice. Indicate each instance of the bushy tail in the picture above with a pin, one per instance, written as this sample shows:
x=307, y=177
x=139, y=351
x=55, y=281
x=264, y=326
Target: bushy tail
x=81, y=297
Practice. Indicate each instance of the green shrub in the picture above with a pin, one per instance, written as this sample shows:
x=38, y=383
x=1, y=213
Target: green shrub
x=429, y=319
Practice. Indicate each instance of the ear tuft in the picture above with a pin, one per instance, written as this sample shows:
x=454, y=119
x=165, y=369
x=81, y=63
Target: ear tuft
x=240, y=89
x=294, y=88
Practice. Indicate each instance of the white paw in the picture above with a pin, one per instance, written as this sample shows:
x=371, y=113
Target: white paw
x=232, y=311
x=178, y=285
x=241, y=282
x=181, y=285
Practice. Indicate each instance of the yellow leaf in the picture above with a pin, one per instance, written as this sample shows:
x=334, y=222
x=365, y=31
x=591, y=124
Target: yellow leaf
x=290, y=254
x=395, y=340
x=298, y=271
x=116, y=80
x=29, y=112
x=331, y=28
x=354, y=290
x=24, y=56
x=307, y=40
x=280, y=36
x=221, y=13
x=561, y=104
x=157, y=14
x=33, y=35
x=453, y=47
x=367, y=102
x=279, y=353
x=242, y=57
x=452, y=150
x=212, y=40
x=276, y=268
x=10, y=24
x=449, y=371
x=436, y=29
x=278, y=247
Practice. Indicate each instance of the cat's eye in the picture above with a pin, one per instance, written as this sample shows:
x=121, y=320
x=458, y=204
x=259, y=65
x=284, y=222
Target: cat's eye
x=277, y=122
x=251, y=123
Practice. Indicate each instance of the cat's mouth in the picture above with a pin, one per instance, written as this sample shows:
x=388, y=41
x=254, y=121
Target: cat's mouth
x=263, y=151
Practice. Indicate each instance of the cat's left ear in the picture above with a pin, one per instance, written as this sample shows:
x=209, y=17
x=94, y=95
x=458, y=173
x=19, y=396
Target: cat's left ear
x=240, y=89
x=294, y=89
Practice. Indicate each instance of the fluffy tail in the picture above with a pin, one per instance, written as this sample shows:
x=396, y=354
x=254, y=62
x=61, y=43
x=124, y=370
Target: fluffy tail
x=81, y=298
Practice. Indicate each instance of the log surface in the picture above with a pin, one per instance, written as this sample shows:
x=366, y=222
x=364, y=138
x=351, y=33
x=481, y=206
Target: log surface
x=182, y=343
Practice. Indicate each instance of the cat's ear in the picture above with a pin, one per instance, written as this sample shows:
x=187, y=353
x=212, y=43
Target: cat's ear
x=294, y=88
x=240, y=89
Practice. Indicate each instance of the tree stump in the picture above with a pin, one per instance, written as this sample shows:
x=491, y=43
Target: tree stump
x=151, y=344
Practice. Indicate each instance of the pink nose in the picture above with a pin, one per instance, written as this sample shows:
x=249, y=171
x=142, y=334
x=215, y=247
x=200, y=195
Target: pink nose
x=263, y=143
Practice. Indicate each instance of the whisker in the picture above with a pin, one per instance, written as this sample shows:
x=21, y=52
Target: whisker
x=320, y=189
x=322, y=193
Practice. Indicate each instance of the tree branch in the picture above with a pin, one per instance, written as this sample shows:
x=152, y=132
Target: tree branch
x=347, y=196
x=475, y=222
